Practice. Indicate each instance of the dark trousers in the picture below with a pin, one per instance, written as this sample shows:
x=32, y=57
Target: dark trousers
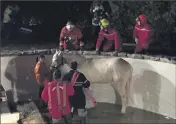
x=40, y=90
x=67, y=119
x=42, y=103
x=95, y=32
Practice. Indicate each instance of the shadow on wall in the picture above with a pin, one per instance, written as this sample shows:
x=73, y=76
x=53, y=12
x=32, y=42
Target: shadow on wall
x=20, y=73
x=147, y=87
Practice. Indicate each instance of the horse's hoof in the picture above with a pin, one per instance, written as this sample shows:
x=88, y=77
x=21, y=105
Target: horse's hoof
x=123, y=111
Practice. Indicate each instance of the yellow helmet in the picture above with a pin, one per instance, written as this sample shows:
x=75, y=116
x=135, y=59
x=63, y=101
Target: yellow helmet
x=104, y=23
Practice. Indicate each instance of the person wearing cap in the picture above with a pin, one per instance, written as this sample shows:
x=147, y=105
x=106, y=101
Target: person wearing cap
x=142, y=33
x=79, y=81
x=109, y=38
x=71, y=37
x=57, y=93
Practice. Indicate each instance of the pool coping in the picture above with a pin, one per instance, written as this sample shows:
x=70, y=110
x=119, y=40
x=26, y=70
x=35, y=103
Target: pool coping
x=51, y=50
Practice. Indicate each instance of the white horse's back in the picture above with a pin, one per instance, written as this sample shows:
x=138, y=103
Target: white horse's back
x=105, y=70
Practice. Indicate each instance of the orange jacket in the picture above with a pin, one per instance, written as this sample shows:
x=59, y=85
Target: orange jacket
x=41, y=72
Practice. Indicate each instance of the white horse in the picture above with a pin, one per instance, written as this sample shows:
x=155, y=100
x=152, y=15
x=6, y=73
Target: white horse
x=113, y=70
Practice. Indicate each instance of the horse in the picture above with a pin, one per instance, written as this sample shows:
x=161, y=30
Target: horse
x=117, y=71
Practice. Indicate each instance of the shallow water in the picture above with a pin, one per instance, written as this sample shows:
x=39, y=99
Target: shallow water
x=110, y=113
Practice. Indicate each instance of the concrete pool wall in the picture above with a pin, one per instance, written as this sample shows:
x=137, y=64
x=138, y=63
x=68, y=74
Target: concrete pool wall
x=154, y=82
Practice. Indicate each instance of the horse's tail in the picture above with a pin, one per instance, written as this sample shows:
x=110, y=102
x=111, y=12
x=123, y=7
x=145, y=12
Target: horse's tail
x=129, y=86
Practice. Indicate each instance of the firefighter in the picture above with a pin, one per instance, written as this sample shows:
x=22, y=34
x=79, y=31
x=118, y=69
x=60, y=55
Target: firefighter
x=108, y=39
x=79, y=81
x=142, y=33
x=71, y=37
x=57, y=93
x=99, y=9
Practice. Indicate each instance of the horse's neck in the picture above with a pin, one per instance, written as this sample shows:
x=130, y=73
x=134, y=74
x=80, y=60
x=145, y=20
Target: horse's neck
x=64, y=69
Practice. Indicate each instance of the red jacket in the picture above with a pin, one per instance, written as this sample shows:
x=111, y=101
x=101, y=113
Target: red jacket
x=143, y=32
x=113, y=35
x=75, y=35
x=55, y=100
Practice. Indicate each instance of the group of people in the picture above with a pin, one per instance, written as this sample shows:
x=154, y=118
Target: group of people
x=64, y=95
x=107, y=38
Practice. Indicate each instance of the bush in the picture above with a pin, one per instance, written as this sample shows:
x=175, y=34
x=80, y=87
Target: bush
x=161, y=15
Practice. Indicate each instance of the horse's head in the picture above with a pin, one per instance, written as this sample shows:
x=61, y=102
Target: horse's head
x=57, y=59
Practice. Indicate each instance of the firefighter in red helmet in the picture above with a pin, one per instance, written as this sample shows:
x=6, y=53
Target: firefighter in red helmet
x=142, y=33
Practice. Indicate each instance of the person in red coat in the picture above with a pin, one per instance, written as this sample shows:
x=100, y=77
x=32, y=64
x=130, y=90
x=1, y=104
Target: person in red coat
x=71, y=37
x=108, y=38
x=142, y=33
x=57, y=93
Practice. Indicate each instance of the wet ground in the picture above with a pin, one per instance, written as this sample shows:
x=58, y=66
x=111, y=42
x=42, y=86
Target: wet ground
x=106, y=113
x=110, y=113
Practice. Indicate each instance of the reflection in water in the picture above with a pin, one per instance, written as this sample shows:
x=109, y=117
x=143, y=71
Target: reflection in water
x=105, y=112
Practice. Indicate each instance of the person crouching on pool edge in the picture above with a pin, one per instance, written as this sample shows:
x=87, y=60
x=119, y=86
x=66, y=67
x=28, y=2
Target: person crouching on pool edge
x=108, y=38
x=71, y=38
x=57, y=93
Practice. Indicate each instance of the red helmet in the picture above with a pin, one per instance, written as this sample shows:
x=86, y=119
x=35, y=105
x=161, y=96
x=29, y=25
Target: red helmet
x=142, y=18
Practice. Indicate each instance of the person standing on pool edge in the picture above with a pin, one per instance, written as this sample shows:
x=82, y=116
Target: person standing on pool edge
x=71, y=37
x=99, y=9
x=142, y=34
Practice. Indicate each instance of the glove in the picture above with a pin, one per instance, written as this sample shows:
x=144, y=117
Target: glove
x=97, y=52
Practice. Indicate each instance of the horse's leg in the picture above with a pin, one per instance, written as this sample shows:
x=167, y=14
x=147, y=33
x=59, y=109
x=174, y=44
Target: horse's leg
x=122, y=92
x=119, y=86
x=118, y=101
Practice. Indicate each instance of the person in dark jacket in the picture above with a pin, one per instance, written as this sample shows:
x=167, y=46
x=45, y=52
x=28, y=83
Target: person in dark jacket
x=79, y=81
x=99, y=9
